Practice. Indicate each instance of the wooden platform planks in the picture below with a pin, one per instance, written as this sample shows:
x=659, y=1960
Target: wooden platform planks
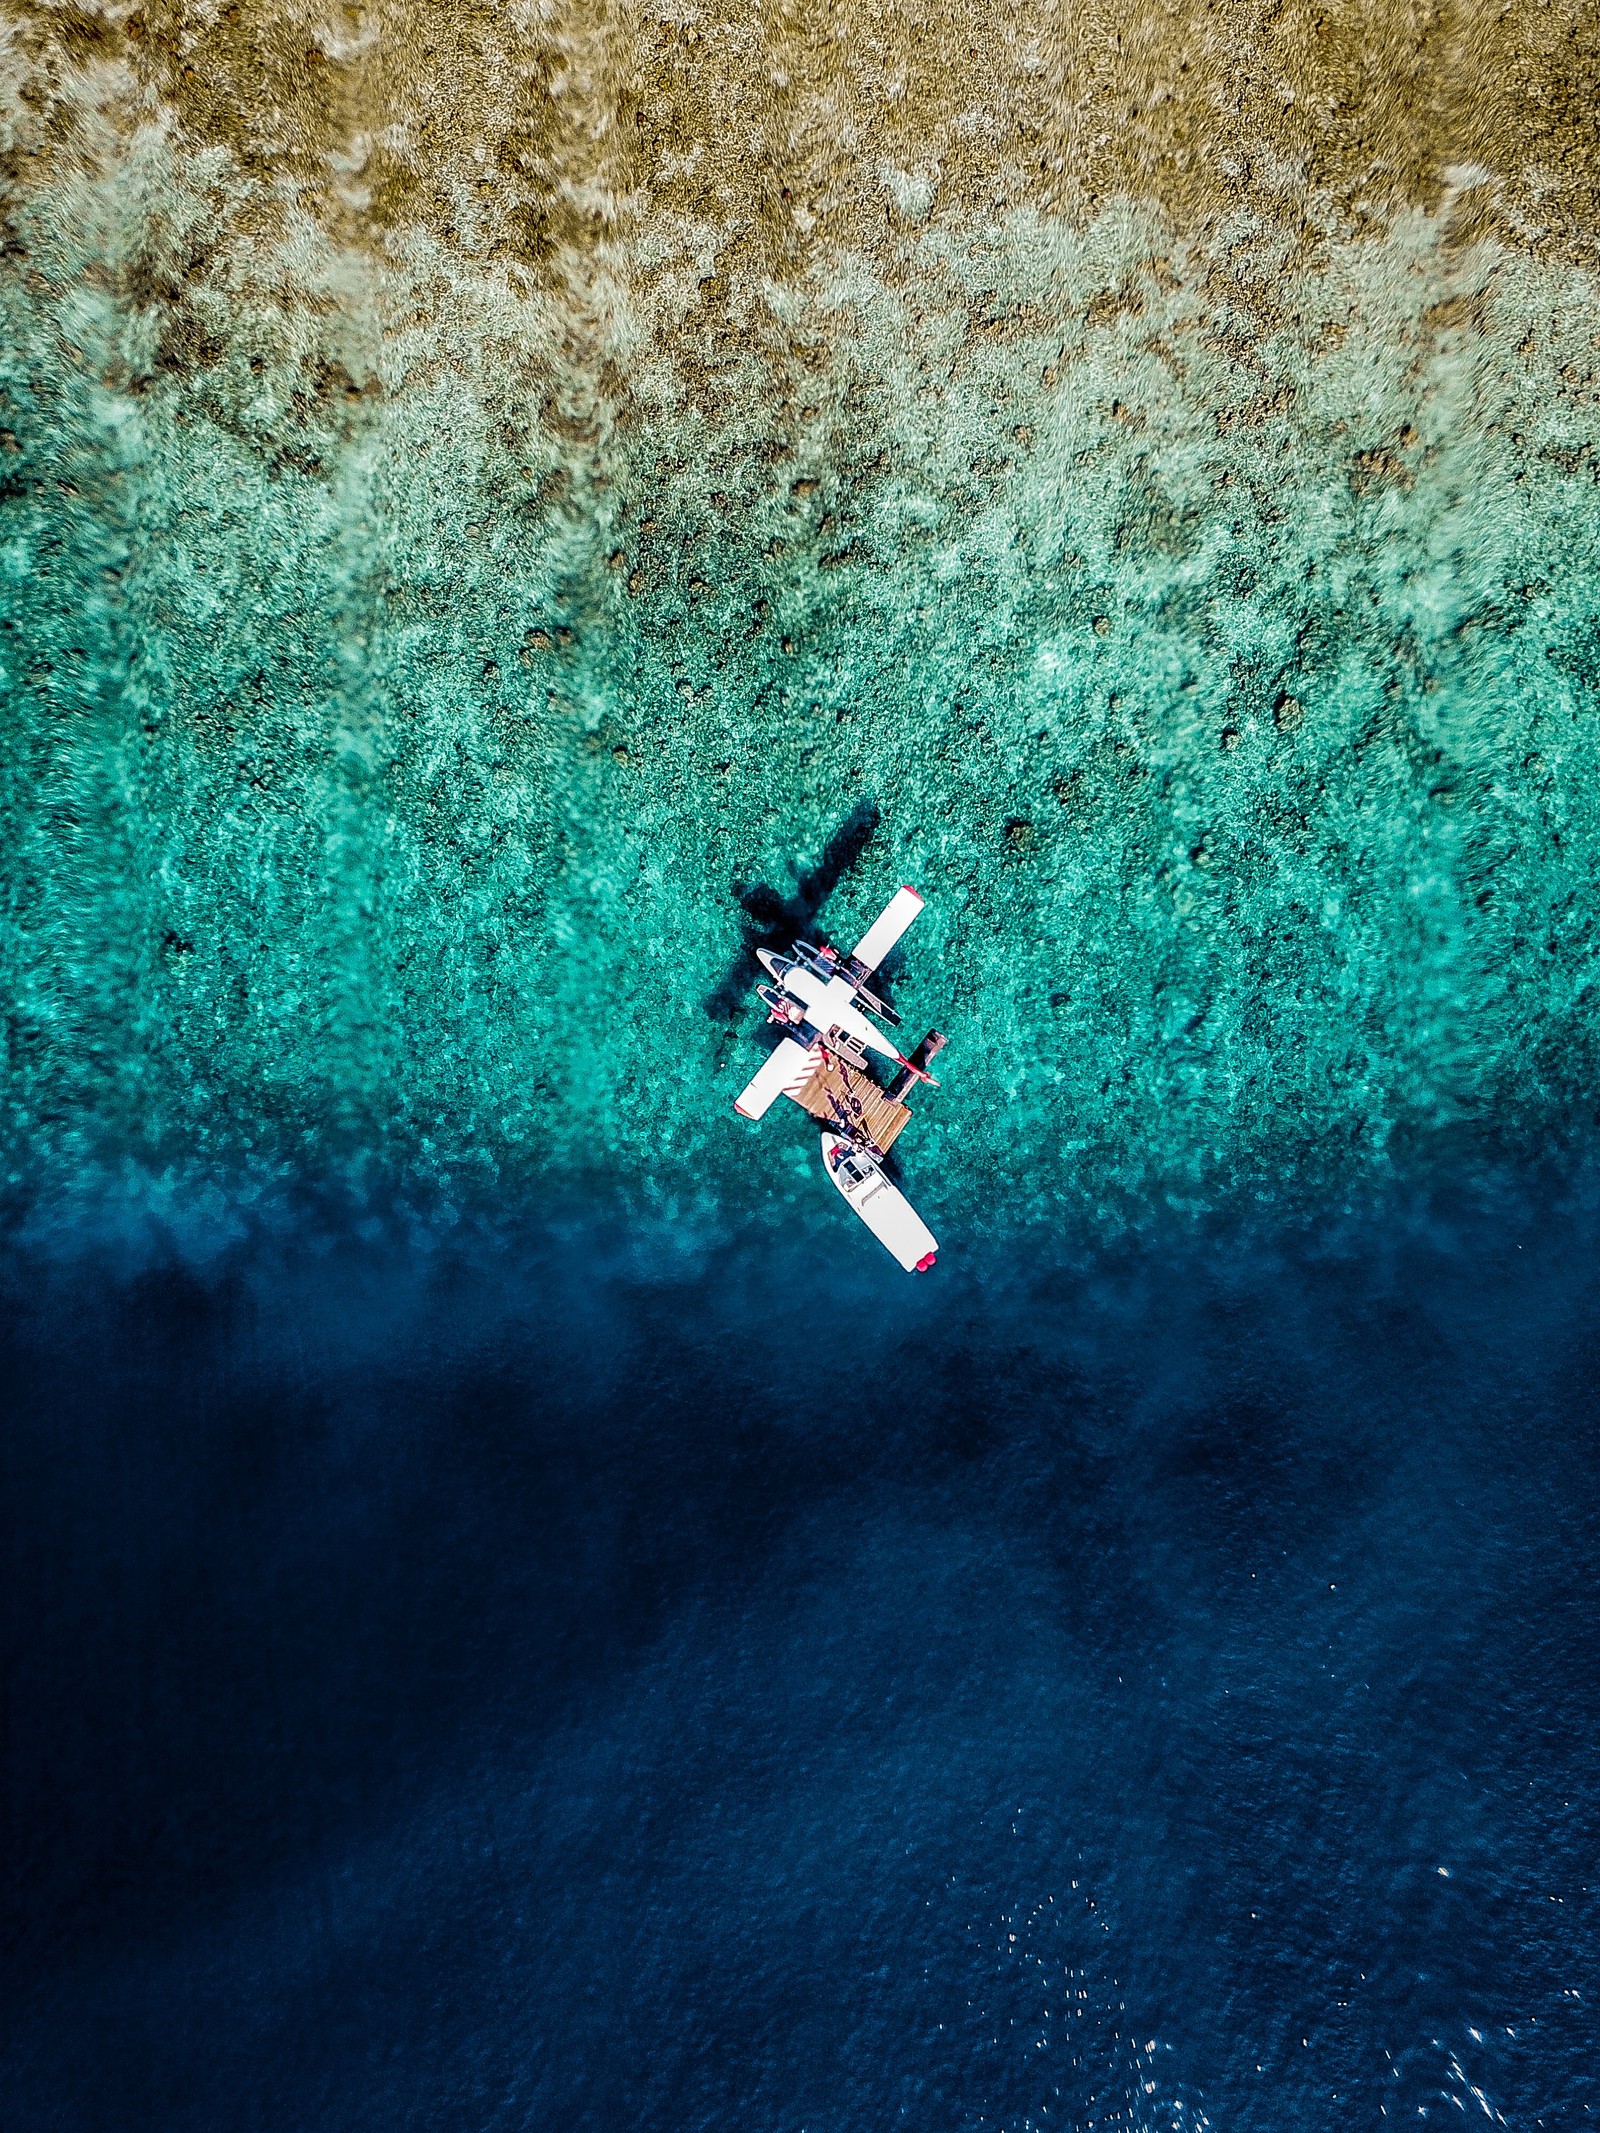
x=851, y=1102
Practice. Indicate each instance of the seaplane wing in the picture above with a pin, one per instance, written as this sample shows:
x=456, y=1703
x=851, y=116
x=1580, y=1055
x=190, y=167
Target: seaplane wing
x=789, y=1067
x=886, y=929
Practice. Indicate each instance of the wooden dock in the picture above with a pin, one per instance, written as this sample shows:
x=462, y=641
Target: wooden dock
x=851, y=1102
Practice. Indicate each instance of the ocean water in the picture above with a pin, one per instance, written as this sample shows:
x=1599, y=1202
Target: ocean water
x=590, y=1686
x=518, y=1615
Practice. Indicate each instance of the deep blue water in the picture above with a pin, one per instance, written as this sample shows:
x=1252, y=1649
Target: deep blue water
x=533, y=1687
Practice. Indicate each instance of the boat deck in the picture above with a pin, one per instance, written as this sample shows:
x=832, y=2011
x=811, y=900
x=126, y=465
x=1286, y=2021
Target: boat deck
x=851, y=1102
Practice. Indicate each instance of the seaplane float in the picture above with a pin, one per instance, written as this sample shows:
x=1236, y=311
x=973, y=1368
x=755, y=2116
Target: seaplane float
x=821, y=1002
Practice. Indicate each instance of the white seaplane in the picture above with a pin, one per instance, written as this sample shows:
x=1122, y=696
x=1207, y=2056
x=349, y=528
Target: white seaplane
x=821, y=1002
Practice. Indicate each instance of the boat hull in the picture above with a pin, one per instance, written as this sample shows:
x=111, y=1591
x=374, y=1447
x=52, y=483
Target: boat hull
x=886, y=1211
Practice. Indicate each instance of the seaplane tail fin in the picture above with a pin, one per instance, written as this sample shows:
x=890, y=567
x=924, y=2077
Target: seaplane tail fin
x=886, y=929
x=783, y=1071
x=883, y=1207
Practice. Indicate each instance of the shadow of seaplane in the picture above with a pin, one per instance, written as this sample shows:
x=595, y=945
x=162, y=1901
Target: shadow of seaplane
x=774, y=920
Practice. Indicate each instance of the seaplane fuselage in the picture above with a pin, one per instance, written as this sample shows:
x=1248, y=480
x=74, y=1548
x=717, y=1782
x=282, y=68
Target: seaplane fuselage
x=824, y=1003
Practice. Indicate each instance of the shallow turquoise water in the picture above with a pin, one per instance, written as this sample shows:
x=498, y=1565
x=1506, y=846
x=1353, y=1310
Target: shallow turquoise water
x=406, y=674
